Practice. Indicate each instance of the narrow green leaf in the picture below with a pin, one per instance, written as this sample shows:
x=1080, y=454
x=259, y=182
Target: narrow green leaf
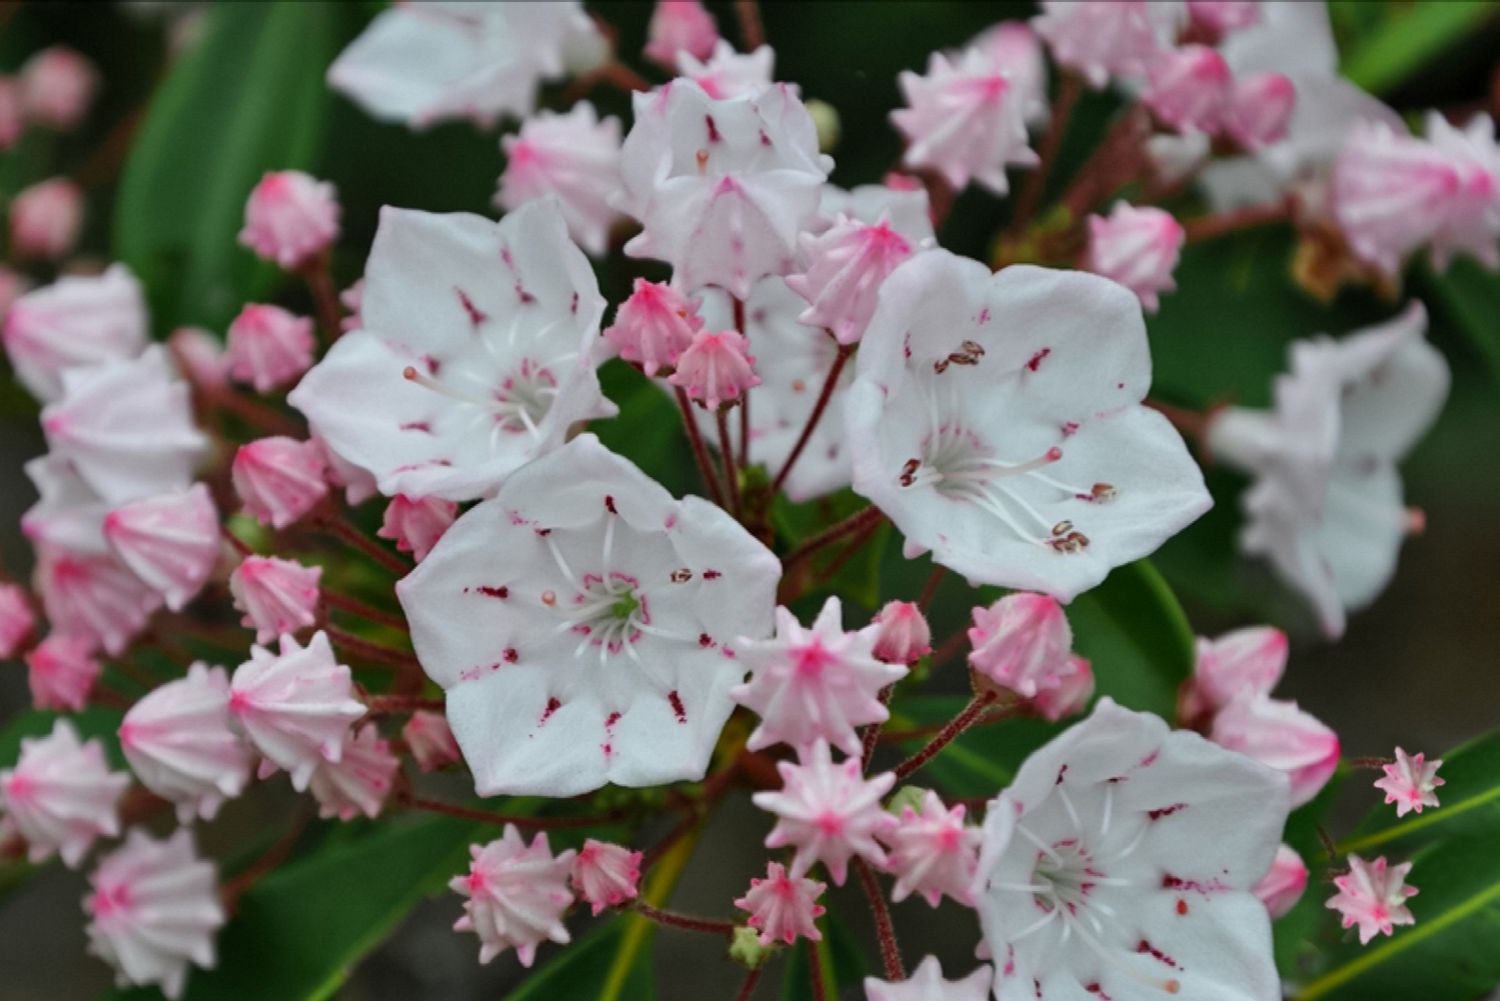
x=648, y=430
x=1470, y=296
x=1470, y=798
x=1411, y=36
x=583, y=967
x=1137, y=637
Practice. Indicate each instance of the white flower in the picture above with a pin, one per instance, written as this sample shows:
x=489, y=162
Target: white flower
x=78, y=320
x=1326, y=505
x=575, y=156
x=599, y=648
x=907, y=209
x=728, y=73
x=996, y=419
x=1120, y=863
x=927, y=984
x=474, y=358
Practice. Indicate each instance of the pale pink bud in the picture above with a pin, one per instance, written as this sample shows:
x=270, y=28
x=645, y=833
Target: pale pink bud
x=574, y=157
x=290, y=218
x=277, y=596
x=1373, y=895
x=1278, y=734
x=933, y=853
x=904, y=636
x=1022, y=643
x=1136, y=247
x=716, y=368
x=1071, y=696
x=61, y=795
x=12, y=122
x=1260, y=110
x=517, y=895
x=200, y=357
x=1245, y=662
x=606, y=875
x=783, y=908
x=171, y=541
x=17, y=620
x=57, y=87
x=1410, y=782
x=679, y=26
x=93, y=596
x=1214, y=19
x=279, y=479
x=61, y=671
x=269, y=347
x=45, y=219
x=1104, y=38
x=416, y=524
x=1190, y=88
x=430, y=740
x=654, y=326
x=77, y=321
x=845, y=268
x=359, y=781
x=1282, y=885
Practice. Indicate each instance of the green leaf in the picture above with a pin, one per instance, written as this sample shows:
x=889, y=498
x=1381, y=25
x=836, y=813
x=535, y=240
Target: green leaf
x=582, y=968
x=1470, y=798
x=648, y=431
x=856, y=579
x=94, y=721
x=843, y=963
x=1470, y=295
x=1137, y=637
x=247, y=98
x=1410, y=37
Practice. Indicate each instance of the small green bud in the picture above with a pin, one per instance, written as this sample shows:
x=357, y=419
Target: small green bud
x=745, y=948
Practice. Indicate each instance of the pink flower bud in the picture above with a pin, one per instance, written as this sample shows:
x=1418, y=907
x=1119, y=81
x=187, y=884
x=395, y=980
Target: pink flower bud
x=12, y=122
x=62, y=671
x=1071, y=696
x=290, y=218
x=61, y=795
x=200, y=357
x=654, y=326
x=606, y=875
x=1246, y=662
x=279, y=479
x=783, y=908
x=1410, y=782
x=716, y=368
x=904, y=636
x=1282, y=886
x=679, y=26
x=1214, y=19
x=277, y=596
x=57, y=87
x=574, y=157
x=845, y=269
x=269, y=347
x=17, y=620
x=356, y=481
x=1104, y=38
x=1022, y=642
x=93, y=596
x=416, y=524
x=76, y=321
x=359, y=781
x=1190, y=88
x=45, y=219
x=1278, y=734
x=1260, y=109
x=1373, y=895
x=933, y=853
x=430, y=740
x=1136, y=247
x=171, y=541
x=516, y=895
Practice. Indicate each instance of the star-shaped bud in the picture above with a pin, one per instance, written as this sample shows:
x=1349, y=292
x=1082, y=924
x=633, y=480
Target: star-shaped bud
x=45, y=219
x=1276, y=733
x=61, y=795
x=1014, y=49
x=279, y=479
x=1191, y=88
x=77, y=321
x=1022, y=643
x=517, y=894
x=926, y=983
x=269, y=347
x=902, y=635
x=1245, y=662
x=933, y=853
x=1137, y=247
x=93, y=596
x=1373, y=895
x=1283, y=884
x=170, y=541
x=290, y=218
x=829, y=812
x=1410, y=782
x=783, y=908
x=845, y=268
x=279, y=597
x=17, y=620
x=654, y=326
x=606, y=875
x=716, y=368
x=416, y=523
x=728, y=73
x=201, y=358
x=1104, y=38
x=815, y=684
x=61, y=671
x=430, y=741
x=359, y=781
x=179, y=743
x=574, y=156
x=679, y=26
x=1260, y=110
x=1070, y=696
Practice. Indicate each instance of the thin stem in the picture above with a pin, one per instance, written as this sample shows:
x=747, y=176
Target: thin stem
x=377, y=652
x=253, y=412
x=815, y=972
x=747, y=989
x=340, y=527
x=856, y=521
x=673, y=919
x=995, y=715
x=1210, y=227
x=885, y=931
x=752, y=31
x=739, y=325
x=956, y=726
x=872, y=732
x=325, y=298
x=726, y=457
x=700, y=451
x=272, y=857
x=1107, y=167
x=616, y=74
x=847, y=553
x=930, y=588
x=356, y=607
x=237, y=542
x=1036, y=182
x=486, y=817
x=386, y=705
x=824, y=395
x=950, y=646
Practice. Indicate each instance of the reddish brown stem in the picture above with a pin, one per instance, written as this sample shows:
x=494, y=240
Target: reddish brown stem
x=947, y=648
x=1190, y=423
x=930, y=588
x=238, y=543
x=956, y=726
x=995, y=715
x=872, y=732
x=356, y=607
x=340, y=527
x=386, y=705
x=690, y=922
x=1223, y=223
x=726, y=458
x=376, y=652
x=1036, y=182
x=752, y=31
x=815, y=972
x=253, y=412
x=272, y=857
x=824, y=395
x=747, y=989
x=860, y=519
x=847, y=553
x=486, y=817
x=1110, y=165
x=700, y=451
x=885, y=931
x=325, y=297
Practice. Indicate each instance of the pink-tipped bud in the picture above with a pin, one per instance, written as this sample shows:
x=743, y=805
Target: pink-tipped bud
x=269, y=347
x=1283, y=884
x=290, y=218
x=1245, y=662
x=57, y=87
x=1411, y=782
x=45, y=219
x=1213, y=19
x=17, y=620
x=359, y=781
x=845, y=268
x=416, y=524
x=679, y=26
x=430, y=740
x=1260, y=109
x=1373, y=896
x=1277, y=733
x=606, y=875
x=654, y=326
x=279, y=479
x=170, y=541
x=200, y=357
x=62, y=671
x=357, y=483
x=904, y=636
x=1075, y=687
x=716, y=368
x=1022, y=643
x=277, y=596
x=1136, y=247
x=1190, y=88
x=783, y=908
x=12, y=120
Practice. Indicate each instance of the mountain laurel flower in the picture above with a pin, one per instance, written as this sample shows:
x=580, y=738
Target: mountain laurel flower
x=716, y=368
x=61, y=671
x=602, y=649
x=829, y=812
x=279, y=597
x=359, y=781
x=477, y=353
x=290, y=218
x=45, y=219
x=1373, y=895
x=201, y=358
x=179, y=743
x=279, y=479
x=783, y=908
x=1103, y=38
x=722, y=188
x=1410, y=782
x=154, y=910
x=1260, y=110
x=17, y=620
x=1283, y=885
x=517, y=894
x=846, y=266
x=1121, y=861
x=61, y=795
x=933, y=853
x=727, y=72
x=996, y=419
x=926, y=983
x=654, y=326
x=170, y=541
x=574, y=156
x=76, y=321
x=1278, y=734
x=606, y=875
x=814, y=684
x=430, y=741
x=1190, y=88
x=902, y=635
x=57, y=87
x=1246, y=662
x=416, y=524
x=678, y=26
x=269, y=347
x=295, y=706
x=1070, y=696
x=1137, y=247
x=1022, y=643
x=966, y=119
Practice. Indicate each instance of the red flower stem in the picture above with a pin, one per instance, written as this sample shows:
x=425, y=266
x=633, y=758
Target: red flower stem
x=486, y=817
x=872, y=732
x=700, y=451
x=885, y=931
x=995, y=715
x=955, y=726
x=325, y=298
x=272, y=857
x=847, y=553
x=1212, y=226
x=254, y=413
x=136, y=674
x=237, y=542
x=1373, y=763
x=673, y=919
x=815, y=971
x=386, y=705
x=752, y=31
x=860, y=519
x=930, y=589
x=339, y=526
x=824, y=395
x=376, y=652
x=739, y=325
x=726, y=457
x=104, y=695
x=1108, y=166
x=356, y=607
x=1036, y=182
x=953, y=644
x=747, y=989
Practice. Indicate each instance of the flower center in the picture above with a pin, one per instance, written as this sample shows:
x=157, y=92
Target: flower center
x=519, y=403
x=608, y=612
